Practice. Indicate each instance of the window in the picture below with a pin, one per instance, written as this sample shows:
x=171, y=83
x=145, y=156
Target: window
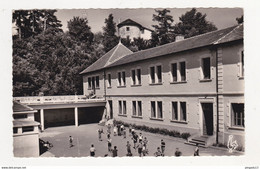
x=159, y=74
x=140, y=108
x=97, y=81
x=242, y=64
x=119, y=78
x=120, y=107
x=109, y=80
x=15, y=130
x=237, y=110
x=134, y=108
x=133, y=77
x=156, y=110
x=183, y=111
x=174, y=110
x=174, y=72
x=123, y=78
x=139, y=76
x=19, y=116
x=153, y=112
x=93, y=82
x=152, y=75
x=89, y=82
x=159, y=110
x=127, y=29
x=124, y=107
x=27, y=129
x=206, y=68
x=183, y=71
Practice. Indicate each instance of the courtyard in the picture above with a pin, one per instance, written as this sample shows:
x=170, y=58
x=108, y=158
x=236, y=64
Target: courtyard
x=85, y=135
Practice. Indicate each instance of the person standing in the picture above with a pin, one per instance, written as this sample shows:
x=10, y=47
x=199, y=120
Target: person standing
x=109, y=129
x=130, y=130
x=115, y=130
x=135, y=137
x=128, y=148
x=124, y=132
x=162, y=147
x=140, y=138
x=145, y=142
x=109, y=143
x=196, y=151
x=92, y=150
x=71, y=141
x=140, y=148
x=99, y=135
x=114, y=152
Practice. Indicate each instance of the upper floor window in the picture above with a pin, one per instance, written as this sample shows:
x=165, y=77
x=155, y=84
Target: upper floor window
x=127, y=28
x=156, y=74
x=93, y=82
x=206, y=68
x=121, y=78
x=237, y=114
x=241, y=71
x=136, y=76
x=97, y=81
x=109, y=80
x=178, y=72
x=89, y=82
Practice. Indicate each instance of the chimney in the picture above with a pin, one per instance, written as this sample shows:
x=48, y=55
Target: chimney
x=179, y=38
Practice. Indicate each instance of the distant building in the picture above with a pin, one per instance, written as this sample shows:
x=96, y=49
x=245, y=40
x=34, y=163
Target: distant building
x=195, y=85
x=25, y=131
x=131, y=29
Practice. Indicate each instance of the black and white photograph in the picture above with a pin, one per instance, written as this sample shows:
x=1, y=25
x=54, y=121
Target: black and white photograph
x=129, y=83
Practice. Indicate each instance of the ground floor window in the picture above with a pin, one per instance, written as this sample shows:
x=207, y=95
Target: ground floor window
x=179, y=111
x=137, y=108
x=122, y=107
x=237, y=110
x=28, y=129
x=156, y=109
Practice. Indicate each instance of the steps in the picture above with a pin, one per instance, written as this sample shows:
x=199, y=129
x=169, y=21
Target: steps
x=201, y=141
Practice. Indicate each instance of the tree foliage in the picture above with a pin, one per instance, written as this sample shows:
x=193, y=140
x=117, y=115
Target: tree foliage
x=193, y=23
x=164, y=29
x=110, y=38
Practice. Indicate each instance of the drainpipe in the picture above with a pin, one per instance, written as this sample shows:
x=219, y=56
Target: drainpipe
x=217, y=96
x=105, y=93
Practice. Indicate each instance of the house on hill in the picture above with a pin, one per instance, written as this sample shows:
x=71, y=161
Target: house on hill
x=131, y=29
x=195, y=85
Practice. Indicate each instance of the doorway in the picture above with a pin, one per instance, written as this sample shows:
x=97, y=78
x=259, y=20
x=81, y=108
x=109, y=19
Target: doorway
x=207, y=111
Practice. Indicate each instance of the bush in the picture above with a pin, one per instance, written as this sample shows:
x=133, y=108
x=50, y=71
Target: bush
x=185, y=136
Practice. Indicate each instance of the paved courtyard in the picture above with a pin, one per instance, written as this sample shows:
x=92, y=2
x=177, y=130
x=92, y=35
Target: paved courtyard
x=85, y=135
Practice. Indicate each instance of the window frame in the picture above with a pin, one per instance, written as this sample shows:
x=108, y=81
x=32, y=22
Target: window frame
x=179, y=114
x=97, y=82
x=156, y=110
x=202, y=76
x=232, y=116
x=109, y=80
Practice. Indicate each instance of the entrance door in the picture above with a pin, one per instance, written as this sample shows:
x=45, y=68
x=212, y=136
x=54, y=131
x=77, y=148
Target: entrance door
x=110, y=108
x=207, y=109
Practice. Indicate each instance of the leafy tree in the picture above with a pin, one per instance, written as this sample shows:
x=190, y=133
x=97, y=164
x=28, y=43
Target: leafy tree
x=193, y=23
x=164, y=30
x=240, y=20
x=33, y=22
x=140, y=43
x=110, y=39
x=79, y=29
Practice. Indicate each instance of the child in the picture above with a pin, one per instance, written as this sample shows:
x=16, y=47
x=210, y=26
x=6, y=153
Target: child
x=115, y=130
x=144, y=151
x=140, y=148
x=135, y=139
x=109, y=144
x=140, y=138
x=71, y=141
x=92, y=151
x=177, y=152
x=114, y=152
x=130, y=130
x=124, y=133
x=162, y=147
x=99, y=135
x=158, y=152
x=128, y=148
x=145, y=142
x=196, y=151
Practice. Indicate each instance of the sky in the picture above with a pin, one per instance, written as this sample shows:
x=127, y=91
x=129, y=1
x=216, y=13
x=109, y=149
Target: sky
x=221, y=17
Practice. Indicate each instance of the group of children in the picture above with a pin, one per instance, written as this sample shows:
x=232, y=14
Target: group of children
x=140, y=143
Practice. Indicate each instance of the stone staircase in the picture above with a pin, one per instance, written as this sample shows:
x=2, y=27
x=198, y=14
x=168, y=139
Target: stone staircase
x=201, y=141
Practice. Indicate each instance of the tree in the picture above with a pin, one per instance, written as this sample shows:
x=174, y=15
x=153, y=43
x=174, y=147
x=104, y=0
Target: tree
x=110, y=39
x=140, y=43
x=193, y=23
x=33, y=22
x=79, y=29
x=240, y=20
x=164, y=30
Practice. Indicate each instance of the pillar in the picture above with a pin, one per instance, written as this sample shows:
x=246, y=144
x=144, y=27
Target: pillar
x=76, y=116
x=42, y=119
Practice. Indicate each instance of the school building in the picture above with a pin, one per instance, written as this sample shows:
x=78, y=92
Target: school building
x=194, y=85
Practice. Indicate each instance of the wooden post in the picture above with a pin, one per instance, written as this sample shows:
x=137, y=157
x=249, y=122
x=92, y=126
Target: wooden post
x=76, y=116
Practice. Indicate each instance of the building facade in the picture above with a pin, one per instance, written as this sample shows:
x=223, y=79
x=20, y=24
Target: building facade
x=195, y=85
x=131, y=29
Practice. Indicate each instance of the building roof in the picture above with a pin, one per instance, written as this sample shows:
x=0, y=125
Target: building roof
x=24, y=123
x=211, y=38
x=19, y=108
x=110, y=57
x=130, y=22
